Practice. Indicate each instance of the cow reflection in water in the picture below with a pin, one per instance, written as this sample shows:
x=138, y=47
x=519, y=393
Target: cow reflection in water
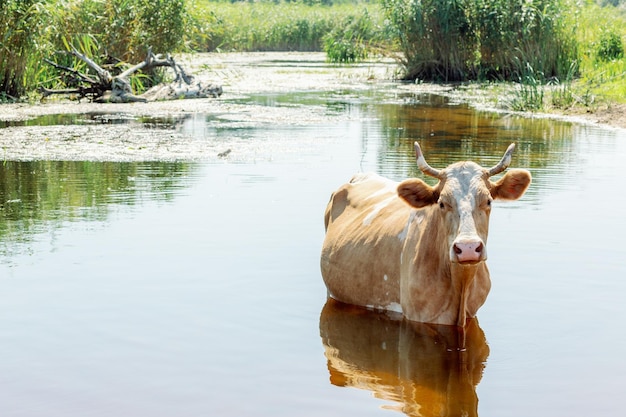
x=429, y=369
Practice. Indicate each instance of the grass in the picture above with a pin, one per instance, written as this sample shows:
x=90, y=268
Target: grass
x=603, y=73
x=598, y=75
x=346, y=31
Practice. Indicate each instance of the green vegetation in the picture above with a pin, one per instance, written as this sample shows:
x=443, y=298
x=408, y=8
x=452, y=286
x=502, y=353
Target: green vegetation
x=259, y=26
x=114, y=30
x=118, y=32
x=601, y=36
x=559, y=53
x=457, y=40
x=346, y=31
x=19, y=49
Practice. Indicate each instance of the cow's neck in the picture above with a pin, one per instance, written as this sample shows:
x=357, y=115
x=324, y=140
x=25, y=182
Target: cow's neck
x=445, y=289
x=462, y=281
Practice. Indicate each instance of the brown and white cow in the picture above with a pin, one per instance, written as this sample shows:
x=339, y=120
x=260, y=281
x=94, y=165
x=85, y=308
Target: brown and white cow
x=414, y=248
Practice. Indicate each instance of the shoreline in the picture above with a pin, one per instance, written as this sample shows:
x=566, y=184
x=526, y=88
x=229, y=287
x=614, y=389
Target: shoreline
x=253, y=72
x=239, y=74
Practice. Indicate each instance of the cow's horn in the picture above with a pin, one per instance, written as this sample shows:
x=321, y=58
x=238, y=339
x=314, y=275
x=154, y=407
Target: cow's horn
x=504, y=162
x=423, y=165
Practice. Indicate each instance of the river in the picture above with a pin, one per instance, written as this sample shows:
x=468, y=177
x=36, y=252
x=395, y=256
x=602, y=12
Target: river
x=189, y=284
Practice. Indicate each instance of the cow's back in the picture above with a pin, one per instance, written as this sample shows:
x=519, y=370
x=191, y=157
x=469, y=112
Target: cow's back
x=366, y=225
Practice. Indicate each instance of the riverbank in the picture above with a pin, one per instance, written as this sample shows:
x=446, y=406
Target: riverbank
x=240, y=74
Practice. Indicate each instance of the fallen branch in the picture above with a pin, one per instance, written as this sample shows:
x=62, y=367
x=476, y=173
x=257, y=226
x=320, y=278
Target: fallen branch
x=117, y=88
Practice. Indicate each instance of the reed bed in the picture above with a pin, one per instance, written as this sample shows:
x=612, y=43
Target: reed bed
x=455, y=40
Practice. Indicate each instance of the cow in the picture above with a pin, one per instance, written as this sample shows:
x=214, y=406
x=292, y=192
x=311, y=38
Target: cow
x=413, y=248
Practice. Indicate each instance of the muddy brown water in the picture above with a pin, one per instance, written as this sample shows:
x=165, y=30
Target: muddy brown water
x=186, y=288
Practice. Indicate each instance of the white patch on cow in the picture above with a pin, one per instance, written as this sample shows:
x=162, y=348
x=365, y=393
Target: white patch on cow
x=392, y=307
x=385, y=190
x=395, y=307
x=377, y=208
x=405, y=232
x=383, y=346
x=385, y=277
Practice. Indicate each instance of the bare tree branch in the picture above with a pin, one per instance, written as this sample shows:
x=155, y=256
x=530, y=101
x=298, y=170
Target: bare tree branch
x=104, y=75
x=80, y=75
x=118, y=88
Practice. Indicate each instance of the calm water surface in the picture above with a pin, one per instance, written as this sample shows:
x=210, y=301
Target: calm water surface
x=185, y=289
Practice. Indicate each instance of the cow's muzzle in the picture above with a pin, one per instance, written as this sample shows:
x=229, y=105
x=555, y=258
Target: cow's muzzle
x=469, y=251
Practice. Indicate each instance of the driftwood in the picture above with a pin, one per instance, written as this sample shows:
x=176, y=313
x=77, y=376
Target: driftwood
x=105, y=87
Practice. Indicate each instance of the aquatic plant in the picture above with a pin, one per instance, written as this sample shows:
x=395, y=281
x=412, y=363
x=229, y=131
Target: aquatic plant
x=439, y=39
x=530, y=94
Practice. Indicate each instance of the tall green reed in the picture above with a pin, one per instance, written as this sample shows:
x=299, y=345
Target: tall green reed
x=452, y=40
x=529, y=95
x=20, y=22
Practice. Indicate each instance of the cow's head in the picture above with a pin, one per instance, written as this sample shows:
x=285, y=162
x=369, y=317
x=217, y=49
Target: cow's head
x=463, y=199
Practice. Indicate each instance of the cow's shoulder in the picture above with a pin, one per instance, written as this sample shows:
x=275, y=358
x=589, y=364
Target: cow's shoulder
x=367, y=200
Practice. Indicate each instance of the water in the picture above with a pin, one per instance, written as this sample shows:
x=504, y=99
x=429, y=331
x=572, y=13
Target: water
x=193, y=289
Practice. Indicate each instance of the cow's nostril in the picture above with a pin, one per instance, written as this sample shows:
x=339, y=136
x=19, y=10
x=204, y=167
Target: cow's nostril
x=457, y=250
x=479, y=248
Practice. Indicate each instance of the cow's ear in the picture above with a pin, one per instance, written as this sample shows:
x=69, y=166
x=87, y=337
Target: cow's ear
x=512, y=185
x=417, y=193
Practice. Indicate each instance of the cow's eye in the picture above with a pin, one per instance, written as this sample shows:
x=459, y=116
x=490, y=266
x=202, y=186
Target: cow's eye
x=442, y=205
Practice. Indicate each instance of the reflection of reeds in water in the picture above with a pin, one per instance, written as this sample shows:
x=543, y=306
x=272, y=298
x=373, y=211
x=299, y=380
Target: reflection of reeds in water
x=40, y=196
x=428, y=370
x=450, y=133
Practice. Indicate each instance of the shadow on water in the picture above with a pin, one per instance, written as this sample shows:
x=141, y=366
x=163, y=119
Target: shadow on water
x=426, y=369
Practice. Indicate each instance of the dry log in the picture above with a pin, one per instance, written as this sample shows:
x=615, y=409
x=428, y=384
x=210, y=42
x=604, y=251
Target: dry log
x=106, y=87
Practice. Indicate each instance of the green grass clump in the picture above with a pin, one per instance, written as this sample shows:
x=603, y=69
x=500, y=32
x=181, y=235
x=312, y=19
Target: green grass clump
x=354, y=38
x=601, y=35
x=346, y=32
